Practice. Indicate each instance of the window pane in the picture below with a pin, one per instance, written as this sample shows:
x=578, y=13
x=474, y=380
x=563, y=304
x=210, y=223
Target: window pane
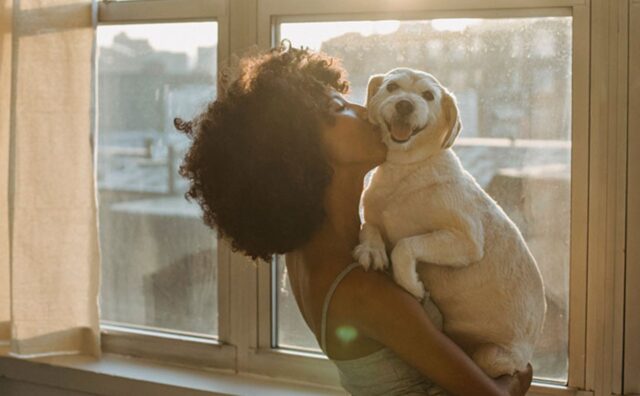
x=159, y=260
x=291, y=332
x=512, y=79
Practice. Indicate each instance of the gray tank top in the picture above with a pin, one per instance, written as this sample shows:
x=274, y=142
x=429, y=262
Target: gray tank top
x=379, y=373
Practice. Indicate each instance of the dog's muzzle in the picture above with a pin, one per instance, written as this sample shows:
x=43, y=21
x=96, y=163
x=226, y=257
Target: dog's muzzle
x=400, y=128
x=401, y=131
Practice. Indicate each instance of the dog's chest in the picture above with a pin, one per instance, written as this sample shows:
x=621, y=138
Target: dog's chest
x=396, y=203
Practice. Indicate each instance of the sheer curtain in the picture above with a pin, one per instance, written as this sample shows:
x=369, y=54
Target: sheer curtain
x=49, y=261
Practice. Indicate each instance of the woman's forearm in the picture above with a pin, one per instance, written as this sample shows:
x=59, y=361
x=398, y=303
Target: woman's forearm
x=397, y=320
x=445, y=363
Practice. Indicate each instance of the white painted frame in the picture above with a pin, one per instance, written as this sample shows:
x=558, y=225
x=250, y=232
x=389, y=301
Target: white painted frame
x=273, y=12
x=175, y=348
x=631, y=383
x=607, y=197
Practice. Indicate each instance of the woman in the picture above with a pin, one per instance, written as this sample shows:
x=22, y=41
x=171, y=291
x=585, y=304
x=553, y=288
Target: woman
x=277, y=165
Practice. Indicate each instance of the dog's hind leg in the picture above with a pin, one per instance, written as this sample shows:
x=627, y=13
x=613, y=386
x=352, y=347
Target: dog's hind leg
x=496, y=360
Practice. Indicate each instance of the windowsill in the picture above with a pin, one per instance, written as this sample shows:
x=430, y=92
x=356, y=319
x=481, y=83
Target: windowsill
x=118, y=374
x=115, y=374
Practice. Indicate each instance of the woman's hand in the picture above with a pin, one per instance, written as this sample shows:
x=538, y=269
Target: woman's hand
x=517, y=384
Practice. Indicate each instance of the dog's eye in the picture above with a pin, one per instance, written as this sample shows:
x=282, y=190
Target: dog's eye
x=428, y=95
x=392, y=86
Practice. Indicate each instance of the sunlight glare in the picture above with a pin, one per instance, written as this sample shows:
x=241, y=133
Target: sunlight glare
x=453, y=25
x=313, y=34
x=173, y=37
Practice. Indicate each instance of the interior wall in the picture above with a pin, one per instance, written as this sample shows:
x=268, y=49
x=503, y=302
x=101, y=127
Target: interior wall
x=10, y=387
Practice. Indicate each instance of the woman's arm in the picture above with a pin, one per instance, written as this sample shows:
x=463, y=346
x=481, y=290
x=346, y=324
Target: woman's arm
x=391, y=316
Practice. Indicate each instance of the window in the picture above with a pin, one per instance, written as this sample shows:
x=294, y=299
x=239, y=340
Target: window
x=516, y=138
x=531, y=78
x=161, y=294
x=158, y=259
x=290, y=330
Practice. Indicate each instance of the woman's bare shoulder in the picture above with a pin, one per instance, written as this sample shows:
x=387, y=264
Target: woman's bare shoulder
x=371, y=299
x=361, y=283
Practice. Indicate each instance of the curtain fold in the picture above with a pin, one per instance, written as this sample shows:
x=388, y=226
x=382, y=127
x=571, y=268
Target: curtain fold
x=49, y=260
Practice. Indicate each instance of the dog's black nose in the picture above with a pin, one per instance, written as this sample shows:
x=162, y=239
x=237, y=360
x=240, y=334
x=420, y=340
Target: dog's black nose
x=404, y=107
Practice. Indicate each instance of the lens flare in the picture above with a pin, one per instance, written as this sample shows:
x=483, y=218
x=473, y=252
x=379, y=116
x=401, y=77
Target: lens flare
x=346, y=334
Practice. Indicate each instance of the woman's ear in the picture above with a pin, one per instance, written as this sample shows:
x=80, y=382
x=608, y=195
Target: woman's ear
x=453, y=125
x=374, y=84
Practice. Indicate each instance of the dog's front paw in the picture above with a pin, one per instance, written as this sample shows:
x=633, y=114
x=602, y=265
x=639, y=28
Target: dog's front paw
x=415, y=287
x=371, y=255
x=404, y=269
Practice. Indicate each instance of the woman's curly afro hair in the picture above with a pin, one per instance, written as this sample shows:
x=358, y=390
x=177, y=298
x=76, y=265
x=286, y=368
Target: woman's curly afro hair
x=257, y=165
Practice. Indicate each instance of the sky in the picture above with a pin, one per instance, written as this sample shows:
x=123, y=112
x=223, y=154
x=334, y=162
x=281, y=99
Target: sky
x=312, y=34
x=187, y=37
x=175, y=37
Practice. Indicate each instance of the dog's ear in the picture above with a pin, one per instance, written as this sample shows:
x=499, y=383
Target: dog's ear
x=374, y=84
x=453, y=125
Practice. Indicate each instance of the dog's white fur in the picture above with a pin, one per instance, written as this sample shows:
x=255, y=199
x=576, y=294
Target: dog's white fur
x=436, y=220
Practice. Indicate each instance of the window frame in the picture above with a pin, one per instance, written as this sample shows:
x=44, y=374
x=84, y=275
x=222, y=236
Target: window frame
x=632, y=317
x=601, y=189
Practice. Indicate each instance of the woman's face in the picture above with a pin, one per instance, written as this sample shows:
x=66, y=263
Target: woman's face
x=352, y=140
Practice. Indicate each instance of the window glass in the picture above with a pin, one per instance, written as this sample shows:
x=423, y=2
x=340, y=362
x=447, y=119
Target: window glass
x=512, y=80
x=291, y=331
x=159, y=260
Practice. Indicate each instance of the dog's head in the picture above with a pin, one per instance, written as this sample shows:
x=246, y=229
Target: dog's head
x=411, y=107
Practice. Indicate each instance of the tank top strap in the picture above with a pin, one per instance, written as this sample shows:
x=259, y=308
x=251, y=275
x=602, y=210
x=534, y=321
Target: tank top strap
x=327, y=300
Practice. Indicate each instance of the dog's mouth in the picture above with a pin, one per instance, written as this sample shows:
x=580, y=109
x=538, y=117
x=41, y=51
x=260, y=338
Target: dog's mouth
x=402, y=132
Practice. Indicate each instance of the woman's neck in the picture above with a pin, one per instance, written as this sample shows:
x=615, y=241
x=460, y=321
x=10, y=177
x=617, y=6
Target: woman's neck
x=338, y=234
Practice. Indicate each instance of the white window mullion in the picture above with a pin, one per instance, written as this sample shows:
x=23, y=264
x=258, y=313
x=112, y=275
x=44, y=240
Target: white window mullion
x=266, y=305
x=632, y=317
x=579, y=197
x=161, y=11
x=224, y=292
x=243, y=285
x=243, y=272
x=332, y=7
x=607, y=206
x=619, y=50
